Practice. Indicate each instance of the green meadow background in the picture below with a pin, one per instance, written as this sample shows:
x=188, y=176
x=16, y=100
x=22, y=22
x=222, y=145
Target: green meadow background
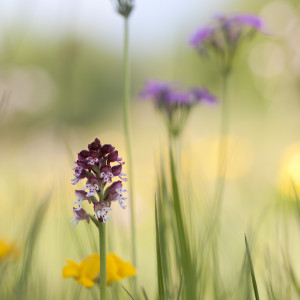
x=60, y=89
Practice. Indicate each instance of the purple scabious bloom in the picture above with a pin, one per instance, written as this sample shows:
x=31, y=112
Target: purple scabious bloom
x=173, y=102
x=100, y=165
x=224, y=35
x=201, y=36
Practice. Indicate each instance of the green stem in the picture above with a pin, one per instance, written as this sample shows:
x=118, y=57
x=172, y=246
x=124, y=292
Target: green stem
x=223, y=144
x=128, y=140
x=102, y=239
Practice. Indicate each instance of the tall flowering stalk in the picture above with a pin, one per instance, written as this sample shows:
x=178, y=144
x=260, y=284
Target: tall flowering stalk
x=99, y=166
x=124, y=8
x=220, y=42
x=175, y=105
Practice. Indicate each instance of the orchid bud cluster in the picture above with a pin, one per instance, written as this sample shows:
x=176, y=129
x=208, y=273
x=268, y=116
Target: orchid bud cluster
x=174, y=103
x=223, y=37
x=98, y=166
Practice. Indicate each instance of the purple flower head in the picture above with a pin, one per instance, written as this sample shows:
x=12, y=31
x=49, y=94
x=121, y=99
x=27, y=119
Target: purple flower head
x=223, y=36
x=179, y=98
x=248, y=20
x=79, y=215
x=201, y=36
x=168, y=97
x=100, y=166
x=199, y=94
x=124, y=7
x=158, y=90
x=173, y=102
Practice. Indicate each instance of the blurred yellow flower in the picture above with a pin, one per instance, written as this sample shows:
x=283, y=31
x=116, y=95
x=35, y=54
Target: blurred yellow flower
x=7, y=249
x=201, y=157
x=86, y=272
x=290, y=170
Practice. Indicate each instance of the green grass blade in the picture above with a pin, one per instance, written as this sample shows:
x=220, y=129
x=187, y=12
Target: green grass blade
x=144, y=293
x=29, y=249
x=180, y=286
x=160, y=274
x=252, y=270
x=190, y=278
x=127, y=292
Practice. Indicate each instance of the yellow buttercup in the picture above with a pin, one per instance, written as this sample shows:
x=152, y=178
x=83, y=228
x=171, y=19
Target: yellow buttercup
x=88, y=270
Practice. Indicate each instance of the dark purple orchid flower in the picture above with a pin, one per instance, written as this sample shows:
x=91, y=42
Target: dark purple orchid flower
x=99, y=165
x=79, y=215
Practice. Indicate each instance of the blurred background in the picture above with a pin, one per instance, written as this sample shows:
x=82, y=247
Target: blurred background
x=61, y=86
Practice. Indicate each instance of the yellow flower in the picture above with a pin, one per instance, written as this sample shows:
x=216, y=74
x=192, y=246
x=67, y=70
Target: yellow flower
x=7, y=249
x=86, y=272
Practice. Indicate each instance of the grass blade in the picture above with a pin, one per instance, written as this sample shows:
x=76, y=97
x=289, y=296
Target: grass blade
x=127, y=292
x=160, y=275
x=252, y=270
x=144, y=293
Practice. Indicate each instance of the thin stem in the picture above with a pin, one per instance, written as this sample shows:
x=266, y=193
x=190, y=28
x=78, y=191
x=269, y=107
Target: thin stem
x=223, y=144
x=102, y=239
x=128, y=139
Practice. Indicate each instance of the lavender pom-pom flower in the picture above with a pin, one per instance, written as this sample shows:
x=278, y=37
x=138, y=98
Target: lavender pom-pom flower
x=173, y=102
x=99, y=166
x=224, y=35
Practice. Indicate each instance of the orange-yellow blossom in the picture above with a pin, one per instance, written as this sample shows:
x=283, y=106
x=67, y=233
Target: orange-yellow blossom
x=87, y=271
x=7, y=249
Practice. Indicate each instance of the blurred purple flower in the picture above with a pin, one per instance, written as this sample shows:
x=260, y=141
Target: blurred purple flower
x=96, y=166
x=167, y=95
x=201, y=36
x=170, y=100
x=224, y=35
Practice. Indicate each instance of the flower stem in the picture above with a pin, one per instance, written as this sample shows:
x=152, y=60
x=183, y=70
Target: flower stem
x=223, y=144
x=128, y=140
x=102, y=240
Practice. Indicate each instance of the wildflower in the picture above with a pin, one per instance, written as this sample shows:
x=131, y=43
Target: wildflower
x=87, y=272
x=79, y=215
x=7, y=249
x=99, y=166
x=174, y=103
x=223, y=37
x=124, y=7
x=81, y=195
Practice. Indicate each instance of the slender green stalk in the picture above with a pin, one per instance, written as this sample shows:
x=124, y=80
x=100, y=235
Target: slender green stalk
x=102, y=239
x=128, y=140
x=223, y=145
x=255, y=289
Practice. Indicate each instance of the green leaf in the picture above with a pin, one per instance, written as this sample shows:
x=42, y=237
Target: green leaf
x=127, y=292
x=160, y=275
x=252, y=270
